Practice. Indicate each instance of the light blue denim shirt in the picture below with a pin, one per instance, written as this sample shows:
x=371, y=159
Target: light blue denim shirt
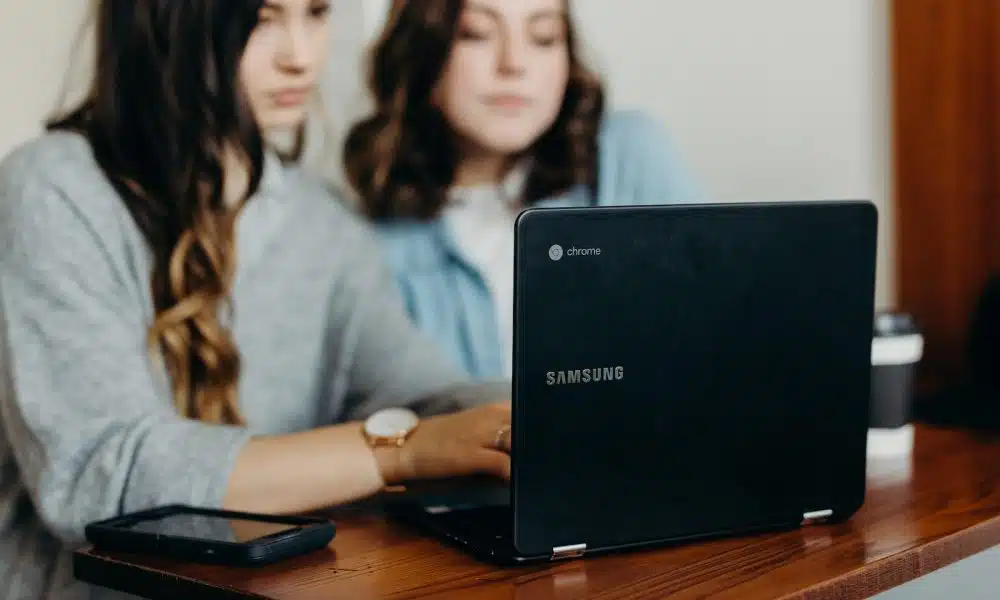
x=447, y=296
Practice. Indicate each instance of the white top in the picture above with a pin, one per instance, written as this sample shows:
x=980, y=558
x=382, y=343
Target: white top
x=482, y=221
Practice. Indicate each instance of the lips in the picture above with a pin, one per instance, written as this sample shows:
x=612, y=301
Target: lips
x=290, y=97
x=508, y=101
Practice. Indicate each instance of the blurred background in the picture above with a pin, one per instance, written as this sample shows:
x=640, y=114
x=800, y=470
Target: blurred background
x=767, y=100
x=891, y=100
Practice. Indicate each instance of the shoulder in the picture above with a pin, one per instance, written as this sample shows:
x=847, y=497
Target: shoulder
x=321, y=204
x=55, y=180
x=56, y=159
x=634, y=132
x=406, y=246
x=317, y=197
x=627, y=122
x=639, y=162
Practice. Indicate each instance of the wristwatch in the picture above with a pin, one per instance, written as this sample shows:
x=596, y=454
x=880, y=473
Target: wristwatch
x=390, y=427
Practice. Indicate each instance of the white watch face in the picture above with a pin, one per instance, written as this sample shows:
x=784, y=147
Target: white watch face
x=391, y=422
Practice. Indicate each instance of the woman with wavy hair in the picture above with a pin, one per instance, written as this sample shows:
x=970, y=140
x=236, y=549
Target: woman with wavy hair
x=484, y=107
x=188, y=318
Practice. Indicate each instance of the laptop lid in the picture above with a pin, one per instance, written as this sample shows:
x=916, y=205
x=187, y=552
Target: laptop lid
x=689, y=370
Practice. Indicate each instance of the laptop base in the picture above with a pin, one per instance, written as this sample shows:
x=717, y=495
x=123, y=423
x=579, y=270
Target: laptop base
x=485, y=534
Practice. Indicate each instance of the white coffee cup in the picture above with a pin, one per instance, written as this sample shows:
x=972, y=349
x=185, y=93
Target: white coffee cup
x=897, y=348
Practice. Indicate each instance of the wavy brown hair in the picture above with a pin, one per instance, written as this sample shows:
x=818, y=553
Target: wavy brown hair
x=164, y=112
x=401, y=160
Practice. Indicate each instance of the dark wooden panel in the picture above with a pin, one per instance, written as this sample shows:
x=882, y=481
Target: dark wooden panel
x=944, y=508
x=946, y=64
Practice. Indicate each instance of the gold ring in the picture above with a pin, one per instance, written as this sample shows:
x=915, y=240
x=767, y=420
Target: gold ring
x=498, y=442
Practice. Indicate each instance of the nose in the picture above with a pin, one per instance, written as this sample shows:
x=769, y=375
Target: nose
x=293, y=54
x=512, y=55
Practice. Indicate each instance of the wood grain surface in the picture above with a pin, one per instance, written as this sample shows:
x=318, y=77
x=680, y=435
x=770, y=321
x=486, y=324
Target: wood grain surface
x=919, y=515
x=946, y=149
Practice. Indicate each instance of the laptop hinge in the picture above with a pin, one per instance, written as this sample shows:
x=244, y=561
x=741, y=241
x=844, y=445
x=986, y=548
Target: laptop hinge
x=816, y=516
x=564, y=552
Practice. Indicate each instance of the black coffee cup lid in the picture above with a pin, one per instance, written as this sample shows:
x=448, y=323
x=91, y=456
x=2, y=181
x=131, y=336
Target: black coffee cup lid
x=893, y=324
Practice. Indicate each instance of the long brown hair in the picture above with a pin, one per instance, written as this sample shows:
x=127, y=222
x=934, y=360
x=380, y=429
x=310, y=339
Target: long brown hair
x=401, y=160
x=164, y=110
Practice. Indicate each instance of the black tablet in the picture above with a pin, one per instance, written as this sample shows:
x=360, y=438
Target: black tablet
x=211, y=536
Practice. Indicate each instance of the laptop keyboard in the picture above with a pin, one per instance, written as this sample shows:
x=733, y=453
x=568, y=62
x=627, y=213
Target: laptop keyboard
x=487, y=521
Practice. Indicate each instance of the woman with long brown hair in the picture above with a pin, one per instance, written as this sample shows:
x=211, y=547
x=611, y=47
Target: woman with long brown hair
x=188, y=319
x=482, y=108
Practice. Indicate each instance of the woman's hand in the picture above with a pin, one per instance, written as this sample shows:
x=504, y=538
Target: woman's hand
x=475, y=441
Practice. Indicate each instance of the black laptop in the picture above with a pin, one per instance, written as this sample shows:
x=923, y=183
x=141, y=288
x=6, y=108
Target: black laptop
x=680, y=372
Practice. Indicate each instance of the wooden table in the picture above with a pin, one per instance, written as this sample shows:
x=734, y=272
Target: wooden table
x=918, y=516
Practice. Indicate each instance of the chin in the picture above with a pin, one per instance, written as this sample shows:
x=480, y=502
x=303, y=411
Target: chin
x=277, y=119
x=507, y=136
x=505, y=142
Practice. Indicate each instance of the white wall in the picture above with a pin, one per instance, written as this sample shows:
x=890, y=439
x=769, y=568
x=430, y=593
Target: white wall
x=36, y=40
x=768, y=99
x=45, y=50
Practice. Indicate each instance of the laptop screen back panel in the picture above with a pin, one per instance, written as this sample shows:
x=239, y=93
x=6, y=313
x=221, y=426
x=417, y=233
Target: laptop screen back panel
x=688, y=371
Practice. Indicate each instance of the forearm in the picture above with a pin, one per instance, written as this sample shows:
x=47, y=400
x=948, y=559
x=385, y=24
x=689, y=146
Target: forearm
x=332, y=465
x=305, y=471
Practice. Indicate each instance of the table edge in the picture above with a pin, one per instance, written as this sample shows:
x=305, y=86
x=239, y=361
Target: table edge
x=876, y=577
x=914, y=563
x=146, y=582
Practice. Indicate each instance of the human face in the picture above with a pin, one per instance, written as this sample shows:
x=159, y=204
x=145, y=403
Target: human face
x=284, y=57
x=503, y=84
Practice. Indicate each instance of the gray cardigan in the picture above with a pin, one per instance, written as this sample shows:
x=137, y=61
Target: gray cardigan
x=88, y=429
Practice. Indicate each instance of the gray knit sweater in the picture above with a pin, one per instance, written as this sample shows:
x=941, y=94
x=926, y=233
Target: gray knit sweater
x=87, y=428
